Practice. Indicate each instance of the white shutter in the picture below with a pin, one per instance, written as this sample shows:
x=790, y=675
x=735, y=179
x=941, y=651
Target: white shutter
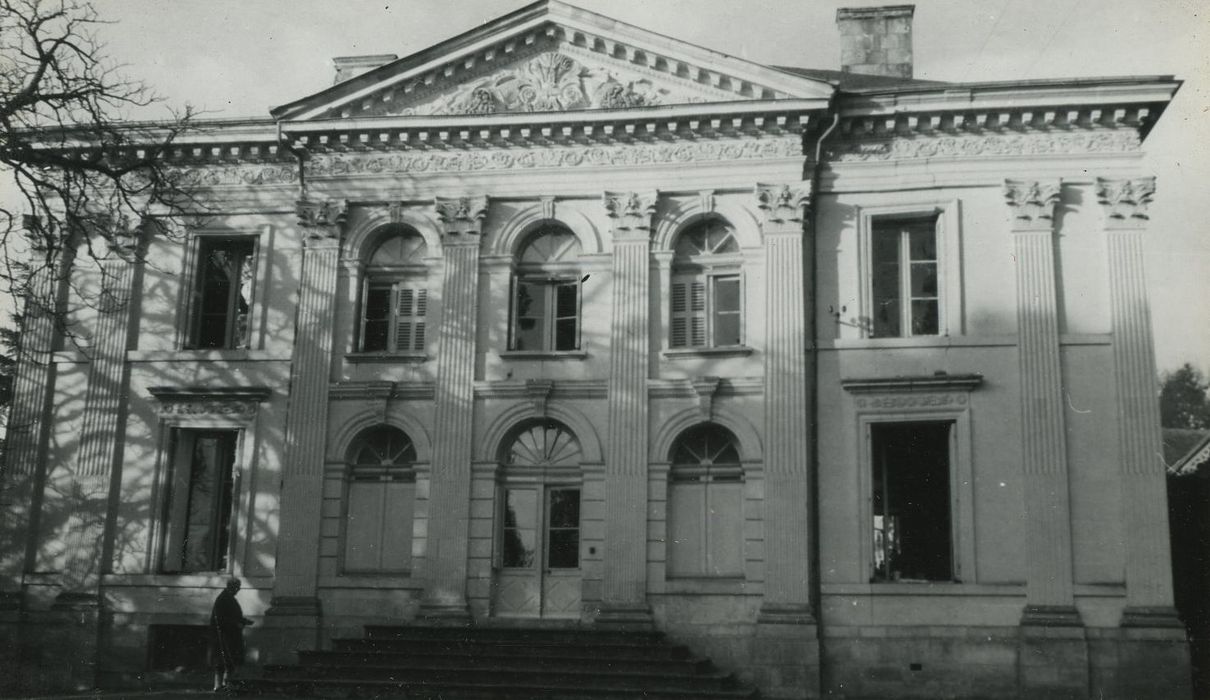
x=411, y=306
x=697, y=314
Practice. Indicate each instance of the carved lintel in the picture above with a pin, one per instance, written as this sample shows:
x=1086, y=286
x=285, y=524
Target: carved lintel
x=548, y=207
x=783, y=204
x=462, y=216
x=706, y=388
x=321, y=219
x=538, y=391
x=1032, y=203
x=706, y=201
x=1126, y=201
x=630, y=211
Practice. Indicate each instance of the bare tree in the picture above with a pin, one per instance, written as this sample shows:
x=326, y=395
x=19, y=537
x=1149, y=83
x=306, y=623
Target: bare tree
x=84, y=177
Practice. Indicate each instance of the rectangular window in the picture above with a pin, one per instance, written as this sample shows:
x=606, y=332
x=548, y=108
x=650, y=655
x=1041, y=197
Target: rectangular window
x=197, y=511
x=222, y=293
x=706, y=311
x=904, y=284
x=393, y=317
x=913, y=537
x=705, y=523
x=546, y=315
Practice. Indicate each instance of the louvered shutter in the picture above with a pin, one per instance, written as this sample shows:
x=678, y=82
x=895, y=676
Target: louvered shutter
x=688, y=315
x=697, y=313
x=680, y=319
x=411, y=305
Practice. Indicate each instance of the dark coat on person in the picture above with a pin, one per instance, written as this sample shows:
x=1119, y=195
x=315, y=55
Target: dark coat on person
x=226, y=632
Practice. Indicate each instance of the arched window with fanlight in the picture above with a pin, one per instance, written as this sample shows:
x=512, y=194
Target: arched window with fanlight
x=706, y=300
x=381, y=490
x=546, y=293
x=705, y=504
x=394, y=302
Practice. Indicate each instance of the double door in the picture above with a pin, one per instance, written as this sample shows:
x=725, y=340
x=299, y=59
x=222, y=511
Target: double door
x=538, y=552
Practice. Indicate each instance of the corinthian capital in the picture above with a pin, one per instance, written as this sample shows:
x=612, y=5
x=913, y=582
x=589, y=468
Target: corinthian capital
x=321, y=219
x=462, y=215
x=1126, y=201
x=783, y=204
x=630, y=211
x=1032, y=203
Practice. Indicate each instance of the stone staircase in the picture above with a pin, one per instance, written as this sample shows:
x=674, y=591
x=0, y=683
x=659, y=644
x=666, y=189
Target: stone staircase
x=500, y=663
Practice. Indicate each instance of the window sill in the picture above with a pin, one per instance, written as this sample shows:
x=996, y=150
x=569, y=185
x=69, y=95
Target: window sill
x=392, y=357
x=544, y=355
x=208, y=355
x=729, y=351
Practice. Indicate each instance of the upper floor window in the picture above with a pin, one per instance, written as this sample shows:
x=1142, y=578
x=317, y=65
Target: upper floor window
x=904, y=278
x=222, y=293
x=707, y=291
x=546, y=293
x=380, y=496
x=395, y=296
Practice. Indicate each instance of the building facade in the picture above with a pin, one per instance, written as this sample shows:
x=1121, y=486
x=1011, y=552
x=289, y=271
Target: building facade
x=845, y=379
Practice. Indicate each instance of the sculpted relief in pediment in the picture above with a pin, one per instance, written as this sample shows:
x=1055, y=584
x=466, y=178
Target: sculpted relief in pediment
x=548, y=82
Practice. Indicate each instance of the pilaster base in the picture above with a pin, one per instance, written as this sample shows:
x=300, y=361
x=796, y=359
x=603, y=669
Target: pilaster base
x=625, y=616
x=1051, y=616
x=292, y=623
x=59, y=646
x=1151, y=617
x=1052, y=655
x=446, y=614
x=786, y=653
x=785, y=614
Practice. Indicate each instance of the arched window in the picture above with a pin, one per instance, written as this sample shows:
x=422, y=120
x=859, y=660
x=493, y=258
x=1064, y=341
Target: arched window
x=546, y=293
x=707, y=294
x=394, y=301
x=380, y=492
x=705, y=504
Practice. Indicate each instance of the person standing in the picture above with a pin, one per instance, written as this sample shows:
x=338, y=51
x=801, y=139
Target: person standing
x=226, y=634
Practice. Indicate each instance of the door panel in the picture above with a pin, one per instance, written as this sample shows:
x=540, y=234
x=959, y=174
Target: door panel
x=539, y=567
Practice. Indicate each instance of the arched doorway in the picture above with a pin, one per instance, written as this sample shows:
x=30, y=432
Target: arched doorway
x=537, y=539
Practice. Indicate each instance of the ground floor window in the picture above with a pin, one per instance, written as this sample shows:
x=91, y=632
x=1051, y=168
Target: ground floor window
x=913, y=535
x=705, y=504
x=380, y=502
x=197, y=517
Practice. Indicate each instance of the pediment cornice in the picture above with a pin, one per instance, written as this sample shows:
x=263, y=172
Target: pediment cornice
x=616, y=65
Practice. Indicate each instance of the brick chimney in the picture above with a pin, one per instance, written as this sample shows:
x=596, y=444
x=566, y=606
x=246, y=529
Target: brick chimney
x=876, y=40
x=351, y=66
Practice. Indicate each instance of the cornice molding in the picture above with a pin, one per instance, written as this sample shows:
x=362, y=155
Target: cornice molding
x=380, y=390
x=556, y=389
x=926, y=383
x=688, y=388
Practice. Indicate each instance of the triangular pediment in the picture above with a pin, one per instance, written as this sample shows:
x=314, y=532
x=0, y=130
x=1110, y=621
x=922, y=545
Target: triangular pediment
x=551, y=57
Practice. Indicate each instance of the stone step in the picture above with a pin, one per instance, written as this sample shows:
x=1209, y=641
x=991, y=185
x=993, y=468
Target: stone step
x=418, y=644
x=490, y=658
x=572, y=634
x=395, y=690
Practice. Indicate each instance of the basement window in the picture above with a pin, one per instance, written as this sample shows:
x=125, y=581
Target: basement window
x=912, y=513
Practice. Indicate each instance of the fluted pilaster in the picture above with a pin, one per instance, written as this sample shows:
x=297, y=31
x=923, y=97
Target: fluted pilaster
x=294, y=590
x=103, y=417
x=27, y=427
x=1049, y=592
x=454, y=410
x=624, y=589
x=1144, y=503
x=789, y=370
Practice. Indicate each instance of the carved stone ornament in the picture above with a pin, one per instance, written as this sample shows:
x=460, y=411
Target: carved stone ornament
x=242, y=409
x=783, y=203
x=538, y=391
x=706, y=389
x=462, y=215
x=548, y=82
x=984, y=145
x=234, y=175
x=422, y=163
x=630, y=211
x=1126, y=200
x=322, y=219
x=900, y=402
x=1032, y=202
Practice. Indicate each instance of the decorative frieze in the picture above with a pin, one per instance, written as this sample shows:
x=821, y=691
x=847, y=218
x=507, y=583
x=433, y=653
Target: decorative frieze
x=1032, y=203
x=1126, y=201
x=418, y=162
x=242, y=175
x=915, y=146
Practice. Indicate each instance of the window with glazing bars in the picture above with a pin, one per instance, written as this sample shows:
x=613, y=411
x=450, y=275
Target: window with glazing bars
x=905, y=278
